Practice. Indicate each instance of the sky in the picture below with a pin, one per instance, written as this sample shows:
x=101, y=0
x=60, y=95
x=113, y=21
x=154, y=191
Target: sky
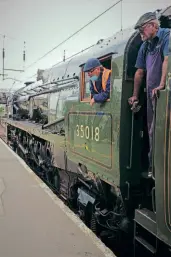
x=44, y=24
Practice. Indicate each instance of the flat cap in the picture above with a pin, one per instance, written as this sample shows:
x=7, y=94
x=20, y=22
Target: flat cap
x=149, y=16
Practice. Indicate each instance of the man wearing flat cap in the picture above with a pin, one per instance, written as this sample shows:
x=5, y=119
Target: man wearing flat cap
x=153, y=60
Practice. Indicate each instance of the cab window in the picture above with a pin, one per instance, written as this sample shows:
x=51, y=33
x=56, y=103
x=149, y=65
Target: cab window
x=85, y=84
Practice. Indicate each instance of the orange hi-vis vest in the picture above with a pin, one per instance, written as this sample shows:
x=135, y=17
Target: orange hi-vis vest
x=105, y=76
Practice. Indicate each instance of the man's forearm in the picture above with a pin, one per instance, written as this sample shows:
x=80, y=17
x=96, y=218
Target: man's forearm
x=164, y=72
x=101, y=97
x=137, y=82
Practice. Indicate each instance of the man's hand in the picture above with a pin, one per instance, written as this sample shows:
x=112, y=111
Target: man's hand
x=92, y=102
x=155, y=91
x=132, y=99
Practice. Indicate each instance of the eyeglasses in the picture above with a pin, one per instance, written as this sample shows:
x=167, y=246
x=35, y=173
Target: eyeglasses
x=141, y=29
x=90, y=71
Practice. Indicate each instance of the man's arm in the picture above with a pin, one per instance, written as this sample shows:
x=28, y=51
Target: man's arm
x=165, y=62
x=165, y=48
x=141, y=66
x=137, y=81
x=103, y=96
x=164, y=72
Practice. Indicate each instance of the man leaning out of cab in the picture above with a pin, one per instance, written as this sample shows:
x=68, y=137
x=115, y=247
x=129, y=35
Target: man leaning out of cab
x=99, y=80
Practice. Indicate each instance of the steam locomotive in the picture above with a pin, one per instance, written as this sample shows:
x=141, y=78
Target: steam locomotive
x=93, y=157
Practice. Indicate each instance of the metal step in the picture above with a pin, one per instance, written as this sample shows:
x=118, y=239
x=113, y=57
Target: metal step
x=143, y=242
x=146, y=219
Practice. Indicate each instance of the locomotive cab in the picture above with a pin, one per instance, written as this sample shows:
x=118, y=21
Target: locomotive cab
x=134, y=140
x=134, y=143
x=134, y=132
x=152, y=218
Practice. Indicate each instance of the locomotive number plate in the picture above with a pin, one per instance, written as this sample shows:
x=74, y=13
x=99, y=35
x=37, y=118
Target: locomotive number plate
x=90, y=136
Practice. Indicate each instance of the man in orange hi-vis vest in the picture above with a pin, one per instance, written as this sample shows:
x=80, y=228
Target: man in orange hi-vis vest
x=99, y=80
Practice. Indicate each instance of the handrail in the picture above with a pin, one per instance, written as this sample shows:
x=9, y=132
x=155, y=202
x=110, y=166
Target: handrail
x=129, y=166
x=135, y=108
x=153, y=137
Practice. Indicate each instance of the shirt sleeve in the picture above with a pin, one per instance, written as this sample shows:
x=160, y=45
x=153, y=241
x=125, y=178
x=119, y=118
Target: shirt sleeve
x=140, y=63
x=104, y=95
x=166, y=43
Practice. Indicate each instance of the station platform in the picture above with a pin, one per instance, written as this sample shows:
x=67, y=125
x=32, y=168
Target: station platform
x=34, y=222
